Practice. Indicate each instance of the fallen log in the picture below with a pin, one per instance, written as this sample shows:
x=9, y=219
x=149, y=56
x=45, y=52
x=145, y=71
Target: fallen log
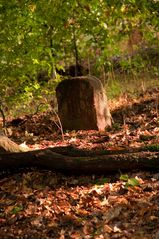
x=73, y=160
x=93, y=164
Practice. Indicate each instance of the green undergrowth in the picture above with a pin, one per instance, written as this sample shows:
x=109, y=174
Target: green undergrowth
x=129, y=84
x=152, y=148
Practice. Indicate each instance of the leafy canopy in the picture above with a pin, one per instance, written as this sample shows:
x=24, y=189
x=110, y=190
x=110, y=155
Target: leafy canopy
x=38, y=35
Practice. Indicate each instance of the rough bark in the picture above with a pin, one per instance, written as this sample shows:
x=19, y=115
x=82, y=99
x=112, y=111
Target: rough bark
x=72, y=160
x=80, y=162
x=81, y=99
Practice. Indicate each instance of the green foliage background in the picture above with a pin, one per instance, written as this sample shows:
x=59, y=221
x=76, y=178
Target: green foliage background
x=43, y=36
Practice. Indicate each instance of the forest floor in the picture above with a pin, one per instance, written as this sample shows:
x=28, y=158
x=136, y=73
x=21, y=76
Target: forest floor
x=41, y=204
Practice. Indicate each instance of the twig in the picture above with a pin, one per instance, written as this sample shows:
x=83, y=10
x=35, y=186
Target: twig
x=3, y=117
x=59, y=124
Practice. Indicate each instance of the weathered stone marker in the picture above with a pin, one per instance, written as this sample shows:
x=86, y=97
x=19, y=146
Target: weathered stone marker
x=82, y=104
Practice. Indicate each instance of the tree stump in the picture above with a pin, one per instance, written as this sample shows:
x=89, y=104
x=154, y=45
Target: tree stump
x=82, y=104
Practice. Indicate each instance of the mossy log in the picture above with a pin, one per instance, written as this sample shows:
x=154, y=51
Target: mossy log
x=75, y=161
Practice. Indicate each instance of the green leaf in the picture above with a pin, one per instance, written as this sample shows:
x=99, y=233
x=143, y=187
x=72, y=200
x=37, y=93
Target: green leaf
x=124, y=177
x=17, y=209
x=132, y=182
x=152, y=147
x=102, y=181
